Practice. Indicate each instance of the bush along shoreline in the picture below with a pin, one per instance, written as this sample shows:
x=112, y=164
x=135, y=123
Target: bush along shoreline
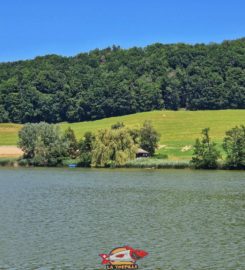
x=10, y=162
x=141, y=163
x=44, y=145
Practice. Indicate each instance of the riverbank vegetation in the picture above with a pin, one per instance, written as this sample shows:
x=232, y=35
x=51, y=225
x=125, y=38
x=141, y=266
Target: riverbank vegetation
x=234, y=146
x=153, y=163
x=9, y=161
x=178, y=129
x=207, y=156
x=116, y=81
x=44, y=145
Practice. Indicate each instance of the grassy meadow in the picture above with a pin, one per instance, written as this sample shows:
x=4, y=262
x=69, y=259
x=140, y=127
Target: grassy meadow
x=9, y=134
x=178, y=129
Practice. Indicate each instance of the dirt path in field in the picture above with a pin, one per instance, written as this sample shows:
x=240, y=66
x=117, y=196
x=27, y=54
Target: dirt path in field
x=10, y=151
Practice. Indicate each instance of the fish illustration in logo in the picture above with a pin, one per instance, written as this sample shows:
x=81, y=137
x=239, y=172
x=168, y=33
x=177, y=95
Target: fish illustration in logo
x=123, y=256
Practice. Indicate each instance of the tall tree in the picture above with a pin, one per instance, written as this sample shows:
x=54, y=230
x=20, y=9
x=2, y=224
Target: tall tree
x=149, y=137
x=234, y=146
x=42, y=144
x=71, y=141
x=205, y=155
x=113, y=148
x=86, y=147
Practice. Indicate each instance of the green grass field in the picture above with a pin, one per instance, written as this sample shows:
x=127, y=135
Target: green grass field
x=178, y=129
x=9, y=134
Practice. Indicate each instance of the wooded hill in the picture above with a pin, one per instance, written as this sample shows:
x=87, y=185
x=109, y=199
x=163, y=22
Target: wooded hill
x=115, y=81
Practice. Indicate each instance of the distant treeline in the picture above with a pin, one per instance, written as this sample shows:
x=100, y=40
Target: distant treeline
x=115, y=81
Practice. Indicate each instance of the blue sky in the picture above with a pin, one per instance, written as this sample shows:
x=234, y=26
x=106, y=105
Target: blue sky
x=29, y=28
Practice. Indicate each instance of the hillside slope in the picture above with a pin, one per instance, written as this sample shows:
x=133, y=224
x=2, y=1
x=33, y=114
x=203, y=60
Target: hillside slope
x=178, y=129
x=116, y=81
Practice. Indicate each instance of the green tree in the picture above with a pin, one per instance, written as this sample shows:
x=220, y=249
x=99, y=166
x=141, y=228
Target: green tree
x=135, y=134
x=86, y=147
x=42, y=144
x=171, y=98
x=27, y=140
x=71, y=141
x=234, y=146
x=113, y=148
x=148, y=93
x=149, y=137
x=205, y=155
x=3, y=115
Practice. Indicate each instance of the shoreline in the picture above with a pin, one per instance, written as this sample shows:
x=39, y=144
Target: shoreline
x=180, y=165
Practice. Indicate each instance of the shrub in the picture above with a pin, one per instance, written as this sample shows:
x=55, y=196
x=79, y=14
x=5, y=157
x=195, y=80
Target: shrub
x=156, y=164
x=6, y=161
x=205, y=154
x=234, y=146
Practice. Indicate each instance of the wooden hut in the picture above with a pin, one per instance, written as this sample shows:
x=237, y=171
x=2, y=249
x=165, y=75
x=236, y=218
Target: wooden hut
x=141, y=153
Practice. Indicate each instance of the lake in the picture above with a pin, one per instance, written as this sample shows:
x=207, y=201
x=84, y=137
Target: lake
x=55, y=219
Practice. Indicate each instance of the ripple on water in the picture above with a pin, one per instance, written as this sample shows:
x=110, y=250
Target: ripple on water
x=55, y=219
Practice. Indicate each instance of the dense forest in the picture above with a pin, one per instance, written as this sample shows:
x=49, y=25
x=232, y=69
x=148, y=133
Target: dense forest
x=115, y=81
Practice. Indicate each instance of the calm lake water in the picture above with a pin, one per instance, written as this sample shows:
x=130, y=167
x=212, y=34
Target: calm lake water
x=53, y=219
